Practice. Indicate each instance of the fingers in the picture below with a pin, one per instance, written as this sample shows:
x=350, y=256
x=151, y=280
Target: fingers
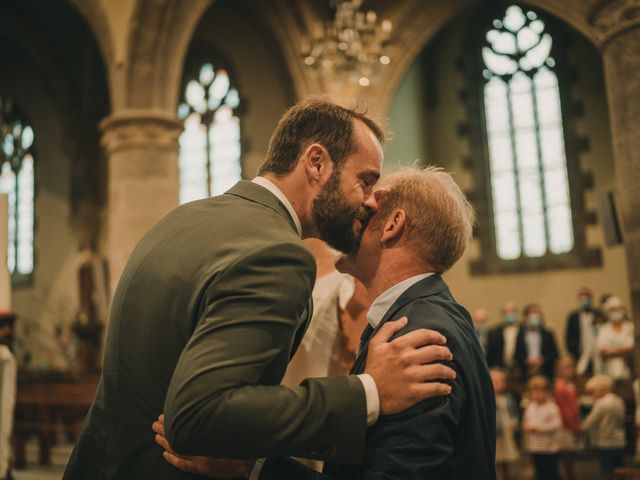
x=162, y=441
x=419, y=338
x=158, y=428
x=432, y=389
x=388, y=330
x=428, y=354
x=161, y=418
x=180, y=463
x=436, y=371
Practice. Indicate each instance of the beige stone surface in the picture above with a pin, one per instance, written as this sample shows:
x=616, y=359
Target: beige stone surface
x=622, y=66
x=142, y=149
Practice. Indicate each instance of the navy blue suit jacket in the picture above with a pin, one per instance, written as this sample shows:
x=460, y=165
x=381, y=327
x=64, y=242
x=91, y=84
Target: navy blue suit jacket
x=449, y=437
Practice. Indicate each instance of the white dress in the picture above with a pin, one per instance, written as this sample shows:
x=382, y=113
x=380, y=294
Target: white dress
x=321, y=351
x=507, y=422
x=615, y=367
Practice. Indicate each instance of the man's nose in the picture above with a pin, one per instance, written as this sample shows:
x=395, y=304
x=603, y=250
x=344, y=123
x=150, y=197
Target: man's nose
x=371, y=202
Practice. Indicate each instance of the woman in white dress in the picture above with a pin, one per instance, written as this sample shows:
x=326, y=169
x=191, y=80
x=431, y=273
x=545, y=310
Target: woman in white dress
x=329, y=346
x=615, y=341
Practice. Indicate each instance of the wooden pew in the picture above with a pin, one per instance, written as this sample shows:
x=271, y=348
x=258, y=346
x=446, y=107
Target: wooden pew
x=47, y=405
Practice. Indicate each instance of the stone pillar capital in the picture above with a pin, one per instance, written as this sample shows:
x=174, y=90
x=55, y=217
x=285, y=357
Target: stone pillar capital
x=615, y=17
x=131, y=129
x=142, y=150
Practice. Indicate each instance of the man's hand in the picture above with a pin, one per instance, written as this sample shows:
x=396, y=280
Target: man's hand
x=204, y=466
x=403, y=368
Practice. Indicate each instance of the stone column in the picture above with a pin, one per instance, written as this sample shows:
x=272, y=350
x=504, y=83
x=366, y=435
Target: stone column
x=142, y=150
x=617, y=26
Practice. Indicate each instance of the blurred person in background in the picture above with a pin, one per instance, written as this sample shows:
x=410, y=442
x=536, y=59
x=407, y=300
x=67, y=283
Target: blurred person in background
x=480, y=321
x=536, y=348
x=581, y=331
x=340, y=305
x=501, y=341
x=605, y=424
x=541, y=423
x=565, y=394
x=506, y=423
x=615, y=341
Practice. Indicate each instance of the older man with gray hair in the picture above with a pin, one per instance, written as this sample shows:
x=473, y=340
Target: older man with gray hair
x=421, y=229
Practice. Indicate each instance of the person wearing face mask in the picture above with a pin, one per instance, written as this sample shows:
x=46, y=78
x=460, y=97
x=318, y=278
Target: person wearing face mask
x=615, y=341
x=581, y=331
x=536, y=348
x=501, y=341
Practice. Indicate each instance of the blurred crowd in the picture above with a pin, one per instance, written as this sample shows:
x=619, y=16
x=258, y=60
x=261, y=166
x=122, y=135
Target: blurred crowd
x=551, y=407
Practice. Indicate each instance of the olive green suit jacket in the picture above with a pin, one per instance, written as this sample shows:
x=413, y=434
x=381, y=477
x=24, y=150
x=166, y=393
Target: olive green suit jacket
x=208, y=311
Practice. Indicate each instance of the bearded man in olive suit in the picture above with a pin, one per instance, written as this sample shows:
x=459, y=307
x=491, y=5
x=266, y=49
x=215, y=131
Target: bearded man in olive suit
x=213, y=303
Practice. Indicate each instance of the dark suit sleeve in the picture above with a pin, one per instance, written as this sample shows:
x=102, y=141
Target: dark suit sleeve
x=418, y=443
x=550, y=354
x=224, y=398
x=286, y=468
x=572, y=336
x=494, y=355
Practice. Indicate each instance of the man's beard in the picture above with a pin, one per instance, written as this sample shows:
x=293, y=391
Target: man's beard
x=336, y=219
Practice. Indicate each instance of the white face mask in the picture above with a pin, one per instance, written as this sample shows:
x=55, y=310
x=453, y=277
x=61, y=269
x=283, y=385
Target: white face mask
x=617, y=316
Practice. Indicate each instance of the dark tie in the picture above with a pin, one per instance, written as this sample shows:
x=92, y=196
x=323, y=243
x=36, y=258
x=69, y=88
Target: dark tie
x=365, y=337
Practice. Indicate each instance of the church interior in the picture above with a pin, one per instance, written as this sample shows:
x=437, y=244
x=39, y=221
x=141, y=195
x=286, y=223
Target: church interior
x=113, y=113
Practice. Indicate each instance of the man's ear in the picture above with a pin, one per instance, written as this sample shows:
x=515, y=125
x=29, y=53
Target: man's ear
x=317, y=163
x=394, y=226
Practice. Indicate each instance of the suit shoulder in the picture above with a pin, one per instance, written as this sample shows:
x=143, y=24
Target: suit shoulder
x=437, y=314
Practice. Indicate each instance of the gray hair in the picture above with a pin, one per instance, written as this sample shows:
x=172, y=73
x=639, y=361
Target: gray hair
x=439, y=217
x=601, y=382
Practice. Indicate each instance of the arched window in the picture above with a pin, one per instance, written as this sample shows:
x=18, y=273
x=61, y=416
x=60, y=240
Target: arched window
x=17, y=180
x=528, y=168
x=210, y=144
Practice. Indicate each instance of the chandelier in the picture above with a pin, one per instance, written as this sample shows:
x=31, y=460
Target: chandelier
x=352, y=46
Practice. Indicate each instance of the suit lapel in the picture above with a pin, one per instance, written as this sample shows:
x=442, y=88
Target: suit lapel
x=258, y=194
x=431, y=285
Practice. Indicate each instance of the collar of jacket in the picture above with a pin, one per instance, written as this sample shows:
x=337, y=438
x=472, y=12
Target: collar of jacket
x=432, y=285
x=258, y=194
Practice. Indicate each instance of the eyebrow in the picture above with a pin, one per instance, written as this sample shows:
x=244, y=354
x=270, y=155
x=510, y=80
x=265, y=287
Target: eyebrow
x=370, y=173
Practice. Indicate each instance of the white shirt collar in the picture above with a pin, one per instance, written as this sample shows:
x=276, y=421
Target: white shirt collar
x=383, y=303
x=263, y=182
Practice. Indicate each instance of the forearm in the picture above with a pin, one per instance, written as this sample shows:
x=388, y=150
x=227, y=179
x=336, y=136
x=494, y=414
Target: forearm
x=321, y=416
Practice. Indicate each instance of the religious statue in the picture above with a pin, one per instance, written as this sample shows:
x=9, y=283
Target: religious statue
x=5, y=276
x=91, y=316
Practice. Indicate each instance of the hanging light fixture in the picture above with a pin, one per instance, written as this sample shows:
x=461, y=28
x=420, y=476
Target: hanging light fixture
x=353, y=45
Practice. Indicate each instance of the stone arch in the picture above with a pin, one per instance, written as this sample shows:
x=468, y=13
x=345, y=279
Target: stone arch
x=159, y=36
x=47, y=54
x=422, y=21
x=94, y=16
x=291, y=24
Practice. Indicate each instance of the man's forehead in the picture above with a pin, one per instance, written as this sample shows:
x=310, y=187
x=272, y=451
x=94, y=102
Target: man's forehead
x=367, y=141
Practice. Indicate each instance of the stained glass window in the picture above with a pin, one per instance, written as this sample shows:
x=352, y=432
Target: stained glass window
x=17, y=180
x=210, y=144
x=529, y=181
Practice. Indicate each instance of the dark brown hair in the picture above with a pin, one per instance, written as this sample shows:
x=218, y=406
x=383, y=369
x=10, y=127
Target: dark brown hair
x=314, y=120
